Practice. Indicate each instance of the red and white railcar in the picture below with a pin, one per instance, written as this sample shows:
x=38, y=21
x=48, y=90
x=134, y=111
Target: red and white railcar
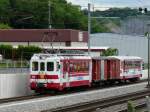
x=54, y=71
x=116, y=68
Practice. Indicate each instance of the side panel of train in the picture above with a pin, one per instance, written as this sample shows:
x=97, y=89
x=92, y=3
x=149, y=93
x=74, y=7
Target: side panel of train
x=60, y=73
x=104, y=69
x=76, y=72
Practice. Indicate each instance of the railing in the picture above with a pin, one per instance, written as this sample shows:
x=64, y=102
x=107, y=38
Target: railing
x=9, y=66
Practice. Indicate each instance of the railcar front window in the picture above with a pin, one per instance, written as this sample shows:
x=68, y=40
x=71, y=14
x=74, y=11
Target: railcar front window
x=34, y=66
x=42, y=66
x=50, y=66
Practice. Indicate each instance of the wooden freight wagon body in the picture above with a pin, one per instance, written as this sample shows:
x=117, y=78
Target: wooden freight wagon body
x=105, y=69
x=116, y=68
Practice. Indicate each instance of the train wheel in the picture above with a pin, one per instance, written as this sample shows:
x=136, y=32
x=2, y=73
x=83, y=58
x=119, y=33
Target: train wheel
x=40, y=91
x=134, y=79
x=112, y=82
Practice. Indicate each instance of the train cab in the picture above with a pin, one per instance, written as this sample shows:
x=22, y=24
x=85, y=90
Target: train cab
x=58, y=72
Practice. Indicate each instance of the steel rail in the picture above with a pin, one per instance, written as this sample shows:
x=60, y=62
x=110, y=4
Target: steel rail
x=102, y=103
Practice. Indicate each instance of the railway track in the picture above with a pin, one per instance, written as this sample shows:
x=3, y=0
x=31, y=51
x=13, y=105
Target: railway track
x=72, y=90
x=98, y=105
x=22, y=98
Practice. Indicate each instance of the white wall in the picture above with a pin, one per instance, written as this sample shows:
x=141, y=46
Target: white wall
x=39, y=44
x=14, y=85
x=79, y=44
x=126, y=44
x=46, y=44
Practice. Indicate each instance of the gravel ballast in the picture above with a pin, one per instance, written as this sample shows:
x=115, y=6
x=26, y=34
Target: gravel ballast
x=37, y=105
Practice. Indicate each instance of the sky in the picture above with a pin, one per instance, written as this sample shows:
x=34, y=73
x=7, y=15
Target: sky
x=104, y=4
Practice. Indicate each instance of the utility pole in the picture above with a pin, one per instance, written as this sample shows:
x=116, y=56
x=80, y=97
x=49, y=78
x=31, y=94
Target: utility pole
x=89, y=26
x=49, y=14
x=148, y=37
x=148, y=85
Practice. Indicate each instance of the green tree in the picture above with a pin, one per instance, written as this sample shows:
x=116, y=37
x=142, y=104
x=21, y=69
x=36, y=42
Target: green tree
x=25, y=52
x=110, y=52
x=4, y=26
x=34, y=14
x=6, y=51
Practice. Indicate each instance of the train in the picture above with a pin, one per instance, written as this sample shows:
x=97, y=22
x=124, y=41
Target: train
x=60, y=71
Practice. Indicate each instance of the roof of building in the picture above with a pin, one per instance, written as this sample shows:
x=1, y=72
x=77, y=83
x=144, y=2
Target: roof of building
x=43, y=35
x=93, y=48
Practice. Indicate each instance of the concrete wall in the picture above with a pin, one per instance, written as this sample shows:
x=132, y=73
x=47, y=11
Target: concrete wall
x=14, y=85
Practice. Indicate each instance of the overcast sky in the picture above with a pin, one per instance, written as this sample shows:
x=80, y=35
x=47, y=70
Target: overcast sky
x=113, y=3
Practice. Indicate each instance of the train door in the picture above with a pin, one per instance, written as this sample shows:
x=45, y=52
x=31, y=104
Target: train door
x=66, y=70
x=114, y=69
x=34, y=70
x=108, y=69
x=53, y=70
x=96, y=69
x=102, y=69
x=41, y=77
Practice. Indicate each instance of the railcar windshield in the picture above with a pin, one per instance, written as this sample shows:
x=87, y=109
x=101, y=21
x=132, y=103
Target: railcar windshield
x=35, y=66
x=42, y=66
x=50, y=66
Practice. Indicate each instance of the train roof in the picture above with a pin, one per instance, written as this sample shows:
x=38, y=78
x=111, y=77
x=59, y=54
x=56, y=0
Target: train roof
x=60, y=56
x=120, y=57
x=126, y=57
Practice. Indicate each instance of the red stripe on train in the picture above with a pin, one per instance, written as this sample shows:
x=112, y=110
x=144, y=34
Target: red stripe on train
x=78, y=74
x=44, y=76
x=51, y=76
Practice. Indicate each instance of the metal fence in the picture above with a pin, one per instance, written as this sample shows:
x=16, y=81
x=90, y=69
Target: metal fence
x=9, y=66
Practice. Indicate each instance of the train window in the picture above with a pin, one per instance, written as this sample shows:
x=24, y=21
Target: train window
x=81, y=66
x=50, y=66
x=42, y=66
x=132, y=64
x=34, y=66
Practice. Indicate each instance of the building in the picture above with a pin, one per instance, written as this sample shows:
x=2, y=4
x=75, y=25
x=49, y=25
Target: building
x=44, y=37
x=128, y=45
x=67, y=39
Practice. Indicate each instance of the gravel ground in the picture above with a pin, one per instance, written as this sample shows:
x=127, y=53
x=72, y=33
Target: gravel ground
x=39, y=104
x=116, y=108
